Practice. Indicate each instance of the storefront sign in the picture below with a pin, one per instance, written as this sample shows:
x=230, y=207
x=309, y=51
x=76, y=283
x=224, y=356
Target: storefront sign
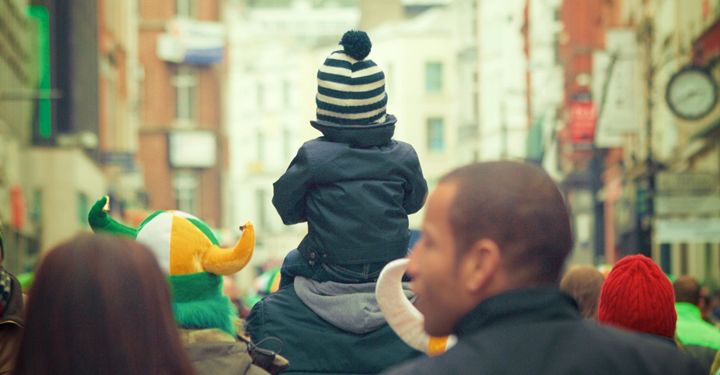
x=192, y=149
x=614, y=78
x=192, y=42
x=687, y=205
x=687, y=183
x=687, y=230
x=582, y=122
x=17, y=208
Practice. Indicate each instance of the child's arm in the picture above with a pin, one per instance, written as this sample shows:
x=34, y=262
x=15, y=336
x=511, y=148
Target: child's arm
x=289, y=190
x=415, y=187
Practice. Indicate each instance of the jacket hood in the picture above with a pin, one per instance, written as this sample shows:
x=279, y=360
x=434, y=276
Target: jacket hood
x=350, y=307
x=358, y=135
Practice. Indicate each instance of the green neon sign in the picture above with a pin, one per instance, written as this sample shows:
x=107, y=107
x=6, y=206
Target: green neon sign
x=39, y=15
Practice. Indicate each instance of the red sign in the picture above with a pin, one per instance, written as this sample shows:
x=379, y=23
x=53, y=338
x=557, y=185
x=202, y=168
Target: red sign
x=707, y=45
x=582, y=122
x=17, y=207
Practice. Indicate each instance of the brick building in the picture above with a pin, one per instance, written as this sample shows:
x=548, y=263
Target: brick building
x=181, y=46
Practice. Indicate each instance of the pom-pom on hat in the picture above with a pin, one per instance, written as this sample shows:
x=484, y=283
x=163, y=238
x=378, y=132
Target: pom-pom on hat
x=351, y=89
x=638, y=296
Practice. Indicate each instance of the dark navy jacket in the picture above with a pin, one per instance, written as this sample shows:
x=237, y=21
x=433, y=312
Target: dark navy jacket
x=315, y=346
x=355, y=186
x=540, y=331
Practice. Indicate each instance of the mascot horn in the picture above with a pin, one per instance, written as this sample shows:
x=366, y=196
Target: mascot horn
x=402, y=316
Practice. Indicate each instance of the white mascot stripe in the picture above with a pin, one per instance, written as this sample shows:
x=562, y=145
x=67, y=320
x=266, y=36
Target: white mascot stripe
x=184, y=214
x=155, y=234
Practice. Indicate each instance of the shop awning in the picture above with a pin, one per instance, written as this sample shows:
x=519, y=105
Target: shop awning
x=707, y=45
x=708, y=130
x=534, y=146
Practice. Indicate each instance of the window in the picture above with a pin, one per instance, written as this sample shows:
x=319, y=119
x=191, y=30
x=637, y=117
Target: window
x=389, y=79
x=476, y=105
x=260, y=199
x=185, y=84
x=82, y=207
x=435, y=134
x=260, y=145
x=185, y=184
x=260, y=94
x=287, y=95
x=185, y=8
x=36, y=208
x=433, y=77
x=109, y=113
x=287, y=141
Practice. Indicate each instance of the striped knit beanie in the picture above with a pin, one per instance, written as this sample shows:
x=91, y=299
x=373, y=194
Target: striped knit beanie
x=351, y=89
x=638, y=296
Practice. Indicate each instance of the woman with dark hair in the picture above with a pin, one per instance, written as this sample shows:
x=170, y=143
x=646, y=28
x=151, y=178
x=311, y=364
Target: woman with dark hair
x=100, y=305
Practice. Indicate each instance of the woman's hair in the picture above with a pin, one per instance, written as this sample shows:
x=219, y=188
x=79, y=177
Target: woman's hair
x=100, y=305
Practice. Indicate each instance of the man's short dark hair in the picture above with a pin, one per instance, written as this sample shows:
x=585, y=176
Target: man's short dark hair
x=687, y=289
x=519, y=207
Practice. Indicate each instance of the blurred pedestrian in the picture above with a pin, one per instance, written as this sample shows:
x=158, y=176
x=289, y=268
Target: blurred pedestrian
x=100, y=305
x=698, y=337
x=495, y=238
x=584, y=283
x=11, y=315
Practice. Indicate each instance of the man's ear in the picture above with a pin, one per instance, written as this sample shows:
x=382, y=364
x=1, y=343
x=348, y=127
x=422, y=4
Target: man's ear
x=480, y=262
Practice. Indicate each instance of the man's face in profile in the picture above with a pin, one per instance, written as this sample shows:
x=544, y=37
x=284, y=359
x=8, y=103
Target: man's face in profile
x=433, y=266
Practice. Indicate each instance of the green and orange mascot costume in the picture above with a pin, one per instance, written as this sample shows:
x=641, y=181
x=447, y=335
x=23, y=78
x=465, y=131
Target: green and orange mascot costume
x=189, y=253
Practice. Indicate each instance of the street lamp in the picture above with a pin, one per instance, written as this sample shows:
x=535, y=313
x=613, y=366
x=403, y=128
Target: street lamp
x=645, y=220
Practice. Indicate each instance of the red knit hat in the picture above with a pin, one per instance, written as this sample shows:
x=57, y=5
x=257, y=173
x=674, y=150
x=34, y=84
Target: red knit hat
x=638, y=296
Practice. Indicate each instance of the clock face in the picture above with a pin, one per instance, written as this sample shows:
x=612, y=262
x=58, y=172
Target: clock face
x=691, y=93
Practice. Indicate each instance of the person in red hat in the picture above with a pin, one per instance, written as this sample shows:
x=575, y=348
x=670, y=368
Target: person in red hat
x=638, y=296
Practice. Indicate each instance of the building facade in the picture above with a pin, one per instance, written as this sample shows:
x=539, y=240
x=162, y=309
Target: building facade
x=669, y=181
x=66, y=110
x=18, y=84
x=181, y=142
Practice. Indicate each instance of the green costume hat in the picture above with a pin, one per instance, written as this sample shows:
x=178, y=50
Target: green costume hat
x=188, y=251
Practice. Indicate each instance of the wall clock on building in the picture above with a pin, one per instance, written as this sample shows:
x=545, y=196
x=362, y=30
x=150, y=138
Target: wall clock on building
x=691, y=93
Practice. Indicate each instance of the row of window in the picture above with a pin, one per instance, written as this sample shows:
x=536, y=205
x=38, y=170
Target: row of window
x=185, y=82
x=261, y=95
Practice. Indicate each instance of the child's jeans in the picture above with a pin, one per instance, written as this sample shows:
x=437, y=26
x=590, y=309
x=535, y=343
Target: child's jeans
x=296, y=265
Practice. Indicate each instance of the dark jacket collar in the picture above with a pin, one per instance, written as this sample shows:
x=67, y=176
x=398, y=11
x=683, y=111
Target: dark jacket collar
x=519, y=306
x=14, y=311
x=358, y=135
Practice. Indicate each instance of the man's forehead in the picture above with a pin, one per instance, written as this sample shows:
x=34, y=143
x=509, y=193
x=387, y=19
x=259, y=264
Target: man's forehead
x=439, y=202
x=443, y=194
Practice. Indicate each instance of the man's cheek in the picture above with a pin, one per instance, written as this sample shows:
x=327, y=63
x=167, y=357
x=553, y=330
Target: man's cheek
x=419, y=297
